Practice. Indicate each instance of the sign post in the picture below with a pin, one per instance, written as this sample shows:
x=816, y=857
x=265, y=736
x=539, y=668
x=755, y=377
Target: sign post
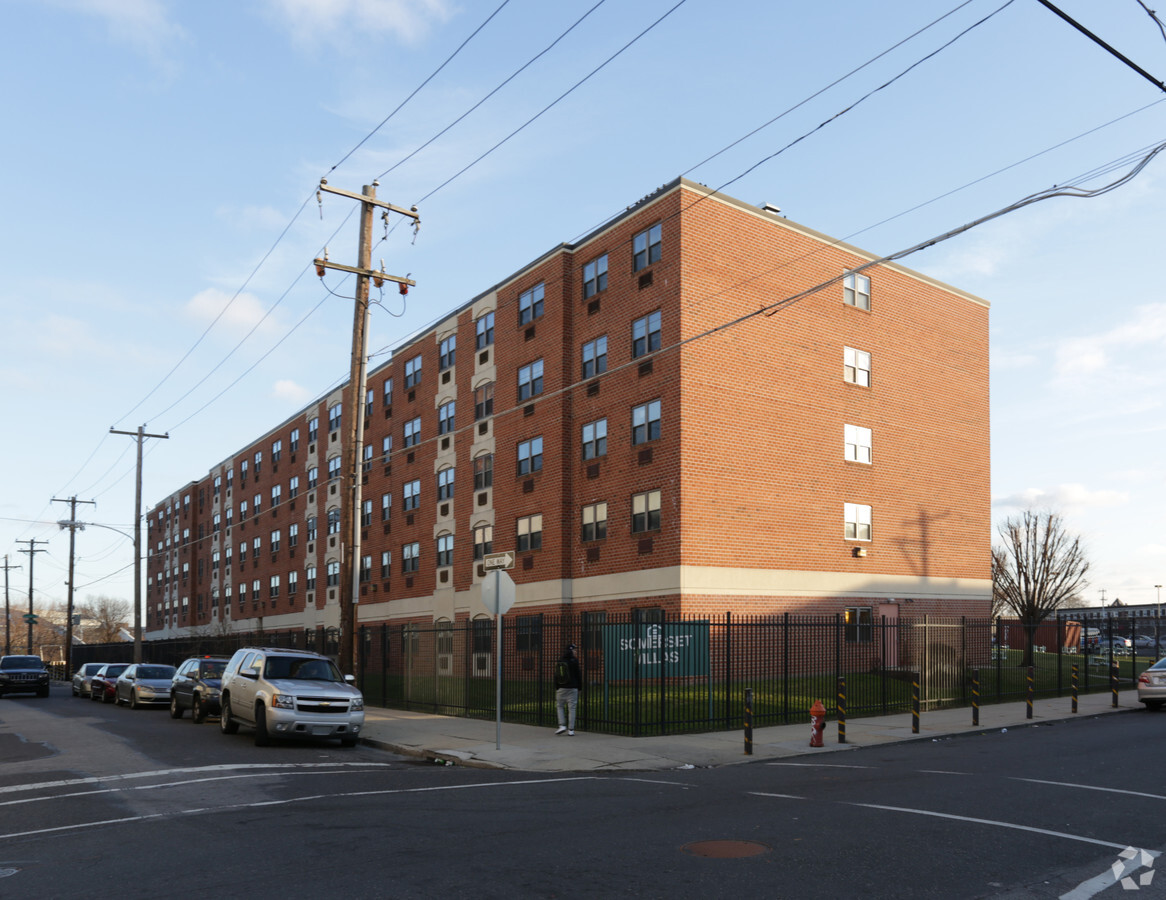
x=498, y=594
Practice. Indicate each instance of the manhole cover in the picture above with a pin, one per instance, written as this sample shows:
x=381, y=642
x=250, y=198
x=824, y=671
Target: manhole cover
x=725, y=849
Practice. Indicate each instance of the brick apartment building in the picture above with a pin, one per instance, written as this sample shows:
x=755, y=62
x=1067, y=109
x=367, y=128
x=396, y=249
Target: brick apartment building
x=625, y=416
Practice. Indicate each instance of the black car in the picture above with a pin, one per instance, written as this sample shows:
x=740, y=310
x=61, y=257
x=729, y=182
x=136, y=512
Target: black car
x=23, y=675
x=196, y=687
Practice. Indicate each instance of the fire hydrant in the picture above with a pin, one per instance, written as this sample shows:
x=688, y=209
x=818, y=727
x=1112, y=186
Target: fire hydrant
x=817, y=723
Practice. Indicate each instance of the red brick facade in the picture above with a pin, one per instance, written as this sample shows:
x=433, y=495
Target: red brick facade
x=746, y=451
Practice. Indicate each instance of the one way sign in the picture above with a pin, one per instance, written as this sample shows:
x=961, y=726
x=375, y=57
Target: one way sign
x=493, y=561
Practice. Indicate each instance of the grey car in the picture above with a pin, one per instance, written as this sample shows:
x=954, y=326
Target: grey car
x=1152, y=685
x=289, y=694
x=82, y=678
x=143, y=685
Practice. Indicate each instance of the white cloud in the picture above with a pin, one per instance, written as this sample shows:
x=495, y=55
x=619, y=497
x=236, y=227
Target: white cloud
x=286, y=389
x=144, y=25
x=1067, y=497
x=240, y=315
x=310, y=20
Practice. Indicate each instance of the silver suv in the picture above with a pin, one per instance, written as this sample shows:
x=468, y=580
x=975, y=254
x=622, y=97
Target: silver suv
x=290, y=693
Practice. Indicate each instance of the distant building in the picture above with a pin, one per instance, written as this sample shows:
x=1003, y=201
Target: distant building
x=619, y=415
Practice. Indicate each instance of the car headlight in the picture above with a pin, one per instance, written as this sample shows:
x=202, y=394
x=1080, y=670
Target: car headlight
x=357, y=704
x=283, y=701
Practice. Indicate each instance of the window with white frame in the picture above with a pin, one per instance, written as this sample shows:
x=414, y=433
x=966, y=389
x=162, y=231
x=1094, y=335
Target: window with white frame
x=386, y=563
x=413, y=432
x=273, y=587
x=412, y=495
x=595, y=357
x=276, y=450
x=410, y=557
x=365, y=513
x=294, y=440
x=646, y=247
x=483, y=471
x=256, y=546
x=310, y=578
x=594, y=522
x=312, y=532
x=334, y=414
x=333, y=574
x=646, y=422
x=256, y=504
x=857, y=441
x=334, y=520
x=483, y=540
x=448, y=350
x=445, y=484
x=530, y=456
x=365, y=569
x=445, y=417
x=856, y=290
x=369, y=397
x=858, y=521
x=276, y=494
x=275, y=539
x=646, y=512
x=530, y=380
x=484, y=330
x=646, y=334
x=444, y=550
x=387, y=392
x=293, y=582
x=595, y=276
x=293, y=534
x=413, y=372
x=258, y=461
x=484, y=400
x=293, y=487
x=595, y=439
x=530, y=304
x=856, y=366
x=313, y=428
x=386, y=507
x=857, y=624
x=529, y=530
x=313, y=477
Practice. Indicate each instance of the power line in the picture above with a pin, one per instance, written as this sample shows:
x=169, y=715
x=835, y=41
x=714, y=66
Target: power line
x=1100, y=43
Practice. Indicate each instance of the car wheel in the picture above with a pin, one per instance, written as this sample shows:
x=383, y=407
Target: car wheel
x=106, y=698
x=76, y=693
x=196, y=711
x=1153, y=704
x=175, y=709
x=262, y=738
x=133, y=699
x=227, y=723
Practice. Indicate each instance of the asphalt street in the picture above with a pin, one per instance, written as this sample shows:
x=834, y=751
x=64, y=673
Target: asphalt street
x=98, y=802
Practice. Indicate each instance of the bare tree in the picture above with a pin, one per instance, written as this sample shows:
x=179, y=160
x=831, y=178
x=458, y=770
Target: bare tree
x=105, y=618
x=1037, y=570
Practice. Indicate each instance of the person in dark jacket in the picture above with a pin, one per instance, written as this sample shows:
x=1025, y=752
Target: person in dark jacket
x=568, y=680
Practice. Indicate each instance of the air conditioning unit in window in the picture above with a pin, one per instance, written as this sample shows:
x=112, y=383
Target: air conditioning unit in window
x=481, y=666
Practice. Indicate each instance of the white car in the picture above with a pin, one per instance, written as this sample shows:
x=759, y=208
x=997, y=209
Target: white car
x=1152, y=685
x=289, y=694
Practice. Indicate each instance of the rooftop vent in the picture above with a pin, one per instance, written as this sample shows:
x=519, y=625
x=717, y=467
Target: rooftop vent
x=770, y=208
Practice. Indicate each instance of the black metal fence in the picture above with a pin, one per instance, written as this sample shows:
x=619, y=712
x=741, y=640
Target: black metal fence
x=690, y=674
x=658, y=676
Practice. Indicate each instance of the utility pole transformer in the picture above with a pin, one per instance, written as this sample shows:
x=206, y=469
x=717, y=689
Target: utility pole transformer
x=72, y=525
x=357, y=389
x=141, y=435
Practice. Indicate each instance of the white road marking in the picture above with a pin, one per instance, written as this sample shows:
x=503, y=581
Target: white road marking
x=658, y=781
x=781, y=796
x=259, y=804
x=105, y=779
x=940, y=772
x=993, y=822
x=1111, y=876
x=1091, y=787
x=816, y=766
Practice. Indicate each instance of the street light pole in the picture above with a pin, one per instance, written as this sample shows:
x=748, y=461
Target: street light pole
x=1158, y=620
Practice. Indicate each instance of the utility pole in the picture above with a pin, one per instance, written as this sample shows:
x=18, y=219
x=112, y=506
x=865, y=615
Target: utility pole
x=357, y=388
x=31, y=617
x=7, y=609
x=141, y=435
x=72, y=525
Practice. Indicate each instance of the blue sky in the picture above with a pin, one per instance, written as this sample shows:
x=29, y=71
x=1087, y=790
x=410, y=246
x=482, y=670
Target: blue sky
x=156, y=150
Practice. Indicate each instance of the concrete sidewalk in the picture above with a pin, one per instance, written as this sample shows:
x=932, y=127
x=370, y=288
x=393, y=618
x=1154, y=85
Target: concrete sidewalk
x=472, y=742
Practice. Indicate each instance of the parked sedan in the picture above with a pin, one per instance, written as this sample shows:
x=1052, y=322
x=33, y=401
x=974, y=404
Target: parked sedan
x=104, y=680
x=196, y=687
x=144, y=685
x=1152, y=685
x=82, y=677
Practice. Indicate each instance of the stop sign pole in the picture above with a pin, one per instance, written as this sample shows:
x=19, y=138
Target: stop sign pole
x=498, y=595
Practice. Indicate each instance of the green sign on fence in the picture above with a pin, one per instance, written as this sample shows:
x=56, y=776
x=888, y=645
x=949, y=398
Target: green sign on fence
x=656, y=650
